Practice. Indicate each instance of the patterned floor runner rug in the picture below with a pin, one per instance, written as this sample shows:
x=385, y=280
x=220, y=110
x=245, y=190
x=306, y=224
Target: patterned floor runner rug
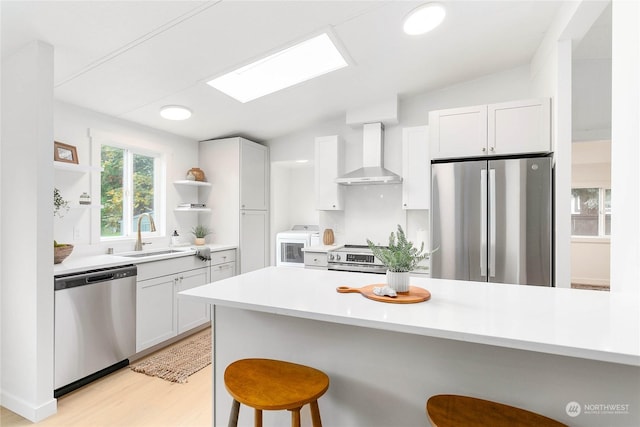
x=179, y=361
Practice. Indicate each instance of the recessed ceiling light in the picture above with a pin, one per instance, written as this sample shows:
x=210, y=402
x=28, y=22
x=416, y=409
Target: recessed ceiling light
x=424, y=19
x=296, y=64
x=175, y=112
x=302, y=161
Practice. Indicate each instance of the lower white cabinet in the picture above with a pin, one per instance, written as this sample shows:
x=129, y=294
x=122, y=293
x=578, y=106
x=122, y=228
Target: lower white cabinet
x=160, y=314
x=223, y=271
x=190, y=313
x=155, y=311
x=316, y=260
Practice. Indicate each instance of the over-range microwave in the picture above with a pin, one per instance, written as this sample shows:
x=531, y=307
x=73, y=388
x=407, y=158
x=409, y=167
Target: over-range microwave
x=290, y=244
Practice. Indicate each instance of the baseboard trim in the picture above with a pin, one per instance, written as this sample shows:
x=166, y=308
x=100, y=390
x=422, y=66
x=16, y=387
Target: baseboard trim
x=590, y=281
x=26, y=410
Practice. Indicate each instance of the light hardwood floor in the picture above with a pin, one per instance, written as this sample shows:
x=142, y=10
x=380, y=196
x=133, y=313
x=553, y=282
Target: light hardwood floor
x=128, y=399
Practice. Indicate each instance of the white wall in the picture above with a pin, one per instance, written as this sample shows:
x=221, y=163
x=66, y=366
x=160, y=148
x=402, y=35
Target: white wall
x=71, y=126
x=374, y=211
x=27, y=232
x=625, y=149
x=590, y=256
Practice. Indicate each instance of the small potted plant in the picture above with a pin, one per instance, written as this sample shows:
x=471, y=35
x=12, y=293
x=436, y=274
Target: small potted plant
x=400, y=257
x=60, y=205
x=200, y=231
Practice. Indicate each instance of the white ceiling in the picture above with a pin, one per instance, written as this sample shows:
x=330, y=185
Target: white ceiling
x=128, y=58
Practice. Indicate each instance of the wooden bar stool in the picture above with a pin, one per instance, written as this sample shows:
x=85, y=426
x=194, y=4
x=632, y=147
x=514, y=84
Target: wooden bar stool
x=270, y=385
x=447, y=410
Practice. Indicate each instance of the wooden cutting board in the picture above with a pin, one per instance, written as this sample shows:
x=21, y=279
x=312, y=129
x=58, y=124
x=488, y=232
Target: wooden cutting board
x=414, y=295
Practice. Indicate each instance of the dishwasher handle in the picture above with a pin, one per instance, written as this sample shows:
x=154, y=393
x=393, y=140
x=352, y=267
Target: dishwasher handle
x=94, y=276
x=100, y=278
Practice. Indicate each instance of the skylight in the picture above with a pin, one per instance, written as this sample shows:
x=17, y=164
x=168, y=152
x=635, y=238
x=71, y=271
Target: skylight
x=296, y=64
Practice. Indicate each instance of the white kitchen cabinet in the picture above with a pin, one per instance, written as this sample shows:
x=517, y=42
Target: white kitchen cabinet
x=191, y=313
x=223, y=265
x=329, y=165
x=416, y=168
x=520, y=127
x=155, y=311
x=160, y=314
x=458, y=132
x=223, y=271
x=254, y=173
x=516, y=127
x=239, y=172
x=316, y=260
x=254, y=240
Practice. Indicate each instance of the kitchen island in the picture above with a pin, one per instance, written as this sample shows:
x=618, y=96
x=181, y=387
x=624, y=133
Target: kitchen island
x=536, y=348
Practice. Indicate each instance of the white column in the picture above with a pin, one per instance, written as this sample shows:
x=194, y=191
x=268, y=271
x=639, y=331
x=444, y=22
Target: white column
x=27, y=232
x=625, y=148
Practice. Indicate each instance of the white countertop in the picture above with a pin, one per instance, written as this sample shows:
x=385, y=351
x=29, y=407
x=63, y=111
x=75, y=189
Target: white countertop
x=586, y=324
x=91, y=262
x=321, y=248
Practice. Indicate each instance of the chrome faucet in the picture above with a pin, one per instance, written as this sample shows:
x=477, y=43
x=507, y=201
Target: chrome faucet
x=153, y=228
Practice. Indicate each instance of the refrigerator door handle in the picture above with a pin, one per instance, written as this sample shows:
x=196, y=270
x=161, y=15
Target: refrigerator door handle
x=492, y=223
x=483, y=222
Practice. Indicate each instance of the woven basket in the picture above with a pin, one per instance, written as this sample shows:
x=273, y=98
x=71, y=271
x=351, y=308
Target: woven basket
x=61, y=252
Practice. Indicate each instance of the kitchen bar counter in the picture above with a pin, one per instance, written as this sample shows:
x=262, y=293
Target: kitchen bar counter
x=538, y=348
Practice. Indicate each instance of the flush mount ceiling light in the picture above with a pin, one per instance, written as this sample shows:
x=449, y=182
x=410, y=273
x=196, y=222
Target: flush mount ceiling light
x=296, y=64
x=424, y=19
x=175, y=112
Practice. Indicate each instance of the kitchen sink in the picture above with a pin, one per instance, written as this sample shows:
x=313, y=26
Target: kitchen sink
x=146, y=254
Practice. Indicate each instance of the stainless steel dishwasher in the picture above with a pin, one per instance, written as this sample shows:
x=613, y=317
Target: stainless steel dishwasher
x=95, y=325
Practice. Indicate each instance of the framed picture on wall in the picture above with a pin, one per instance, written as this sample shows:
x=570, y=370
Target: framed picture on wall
x=64, y=152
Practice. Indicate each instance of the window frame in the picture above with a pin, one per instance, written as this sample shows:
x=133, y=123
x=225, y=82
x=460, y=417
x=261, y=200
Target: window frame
x=159, y=198
x=602, y=213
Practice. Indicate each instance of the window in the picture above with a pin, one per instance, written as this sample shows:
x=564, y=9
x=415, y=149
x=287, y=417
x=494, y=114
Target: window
x=128, y=188
x=591, y=212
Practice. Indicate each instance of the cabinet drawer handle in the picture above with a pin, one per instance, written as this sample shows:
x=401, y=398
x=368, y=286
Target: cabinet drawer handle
x=484, y=149
x=492, y=149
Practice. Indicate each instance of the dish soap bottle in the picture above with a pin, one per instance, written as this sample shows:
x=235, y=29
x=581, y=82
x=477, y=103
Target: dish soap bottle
x=175, y=238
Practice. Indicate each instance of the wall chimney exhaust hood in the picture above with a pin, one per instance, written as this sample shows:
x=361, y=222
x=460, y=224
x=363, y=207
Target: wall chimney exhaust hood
x=372, y=170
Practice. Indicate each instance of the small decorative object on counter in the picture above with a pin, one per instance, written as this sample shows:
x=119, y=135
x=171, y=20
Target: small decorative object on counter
x=327, y=237
x=175, y=238
x=200, y=231
x=61, y=251
x=400, y=257
x=85, y=199
x=385, y=290
x=195, y=174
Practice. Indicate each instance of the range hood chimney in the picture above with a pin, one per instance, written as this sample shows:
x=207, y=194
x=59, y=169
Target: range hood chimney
x=372, y=170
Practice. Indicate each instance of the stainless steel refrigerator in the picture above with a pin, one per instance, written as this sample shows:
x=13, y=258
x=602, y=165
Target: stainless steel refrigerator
x=491, y=220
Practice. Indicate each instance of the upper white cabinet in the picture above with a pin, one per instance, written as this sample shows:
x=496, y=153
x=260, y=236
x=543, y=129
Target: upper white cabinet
x=329, y=164
x=458, y=132
x=516, y=127
x=254, y=169
x=520, y=127
x=416, y=167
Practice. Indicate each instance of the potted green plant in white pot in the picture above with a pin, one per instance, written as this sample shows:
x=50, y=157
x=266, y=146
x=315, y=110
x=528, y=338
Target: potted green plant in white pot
x=200, y=231
x=400, y=258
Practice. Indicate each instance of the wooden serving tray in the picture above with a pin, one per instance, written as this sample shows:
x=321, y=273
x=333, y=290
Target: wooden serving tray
x=414, y=295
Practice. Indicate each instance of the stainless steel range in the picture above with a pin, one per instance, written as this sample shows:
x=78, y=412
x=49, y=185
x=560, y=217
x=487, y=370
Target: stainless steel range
x=358, y=258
